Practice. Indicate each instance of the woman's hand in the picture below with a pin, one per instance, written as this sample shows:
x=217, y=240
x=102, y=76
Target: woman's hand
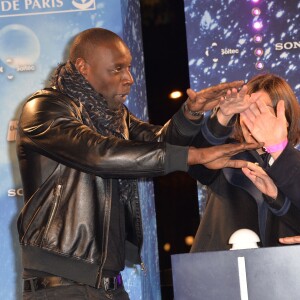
x=233, y=103
x=261, y=179
x=264, y=125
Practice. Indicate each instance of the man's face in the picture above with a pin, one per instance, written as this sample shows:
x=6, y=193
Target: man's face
x=107, y=69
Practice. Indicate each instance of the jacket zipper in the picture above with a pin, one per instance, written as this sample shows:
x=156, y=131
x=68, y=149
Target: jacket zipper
x=107, y=212
x=57, y=193
x=139, y=227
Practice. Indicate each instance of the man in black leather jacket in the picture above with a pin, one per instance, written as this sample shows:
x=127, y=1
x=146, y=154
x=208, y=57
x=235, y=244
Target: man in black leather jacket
x=80, y=152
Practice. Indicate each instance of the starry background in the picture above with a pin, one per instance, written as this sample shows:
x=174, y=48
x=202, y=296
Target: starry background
x=229, y=25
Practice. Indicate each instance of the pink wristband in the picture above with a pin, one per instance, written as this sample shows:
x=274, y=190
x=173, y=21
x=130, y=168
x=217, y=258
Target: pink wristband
x=277, y=147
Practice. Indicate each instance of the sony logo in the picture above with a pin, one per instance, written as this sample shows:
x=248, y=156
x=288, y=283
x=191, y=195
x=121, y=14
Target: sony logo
x=287, y=46
x=15, y=192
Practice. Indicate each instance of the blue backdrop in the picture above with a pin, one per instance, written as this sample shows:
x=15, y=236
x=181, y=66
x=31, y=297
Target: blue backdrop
x=33, y=39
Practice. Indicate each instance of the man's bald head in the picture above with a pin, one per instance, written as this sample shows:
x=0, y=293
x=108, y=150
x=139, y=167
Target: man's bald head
x=85, y=42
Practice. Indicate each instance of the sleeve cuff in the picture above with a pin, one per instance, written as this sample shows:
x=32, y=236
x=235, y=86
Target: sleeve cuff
x=279, y=206
x=176, y=158
x=214, y=132
x=185, y=126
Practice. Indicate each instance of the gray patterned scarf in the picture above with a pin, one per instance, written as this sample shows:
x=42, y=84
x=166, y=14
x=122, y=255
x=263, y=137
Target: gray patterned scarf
x=70, y=82
x=105, y=121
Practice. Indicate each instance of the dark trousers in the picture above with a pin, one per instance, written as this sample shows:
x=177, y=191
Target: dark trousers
x=76, y=292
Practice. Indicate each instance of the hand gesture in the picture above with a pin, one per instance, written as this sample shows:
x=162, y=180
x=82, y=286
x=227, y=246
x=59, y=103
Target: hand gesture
x=264, y=125
x=234, y=103
x=261, y=180
x=290, y=240
x=208, y=98
x=218, y=157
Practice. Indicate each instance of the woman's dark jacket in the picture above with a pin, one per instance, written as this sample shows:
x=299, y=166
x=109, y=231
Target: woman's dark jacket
x=233, y=202
x=286, y=173
x=67, y=170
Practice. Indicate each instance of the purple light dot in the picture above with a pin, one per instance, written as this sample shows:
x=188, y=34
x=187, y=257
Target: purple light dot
x=256, y=11
x=257, y=38
x=258, y=52
x=257, y=25
x=255, y=1
x=259, y=65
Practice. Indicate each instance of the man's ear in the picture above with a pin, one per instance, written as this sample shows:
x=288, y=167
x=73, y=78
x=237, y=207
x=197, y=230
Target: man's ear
x=81, y=66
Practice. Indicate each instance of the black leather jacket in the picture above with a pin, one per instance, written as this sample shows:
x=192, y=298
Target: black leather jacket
x=66, y=169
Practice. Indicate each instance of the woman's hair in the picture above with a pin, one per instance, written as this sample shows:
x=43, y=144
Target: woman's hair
x=278, y=89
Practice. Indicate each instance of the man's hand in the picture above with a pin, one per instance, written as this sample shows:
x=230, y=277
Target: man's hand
x=290, y=240
x=208, y=98
x=218, y=157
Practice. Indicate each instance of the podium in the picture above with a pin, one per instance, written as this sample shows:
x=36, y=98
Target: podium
x=250, y=274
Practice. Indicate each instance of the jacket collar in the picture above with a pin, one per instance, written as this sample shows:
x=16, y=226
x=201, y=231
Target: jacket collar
x=237, y=178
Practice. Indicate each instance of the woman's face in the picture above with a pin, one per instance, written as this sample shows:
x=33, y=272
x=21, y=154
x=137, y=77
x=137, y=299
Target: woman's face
x=263, y=96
